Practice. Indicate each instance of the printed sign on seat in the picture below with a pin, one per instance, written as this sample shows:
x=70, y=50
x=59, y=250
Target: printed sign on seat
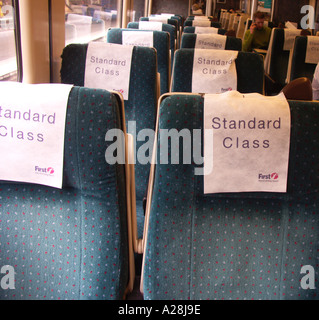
x=304, y=58
x=210, y=41
x=28, y=125
x=72, y=243
x=157, y=26
x=189, y=29
x=223, y=246
x=249, y=69
x=157, y=39
x=140, y=108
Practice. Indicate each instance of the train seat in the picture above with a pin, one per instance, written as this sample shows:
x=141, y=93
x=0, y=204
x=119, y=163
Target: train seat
x=277, y=58
x=162, y=46
x=72, y=243
x=140, y=108
x=180, y=25
x=165, y=20
x=249, y=67
x=201, y=17
x=232, y=245
x=298, y=66
x=194, y=23
x=242, y=26
x=193, y=30
x=189, y=41
x=176, y=17
x=164, y=27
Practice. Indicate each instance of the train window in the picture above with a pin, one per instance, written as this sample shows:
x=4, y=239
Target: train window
x=8, y=57
x=138, y=9
x=89, y=20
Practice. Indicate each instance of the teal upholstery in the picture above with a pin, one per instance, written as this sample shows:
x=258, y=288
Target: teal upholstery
x=71, y=243
x=189, y=23
x=179, y=19
x=141, y=106
x=165, y=27
x=189, y=41
x=249, y=66
x=299, y=68
x=192, y=30
x=161, y=44
x=279, y=58
x=233, y=246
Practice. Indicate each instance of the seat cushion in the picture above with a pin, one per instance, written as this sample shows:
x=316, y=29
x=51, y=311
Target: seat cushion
x=235, y=245
x=71, y=243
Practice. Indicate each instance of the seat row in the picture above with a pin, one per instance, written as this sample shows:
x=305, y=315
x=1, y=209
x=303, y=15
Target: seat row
x=287, y=57
x=144, y=84
x=76, y=242
x=139, y=207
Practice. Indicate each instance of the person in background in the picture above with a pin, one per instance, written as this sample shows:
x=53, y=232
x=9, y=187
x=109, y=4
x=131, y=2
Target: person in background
x=199, y=7
x=258, y=36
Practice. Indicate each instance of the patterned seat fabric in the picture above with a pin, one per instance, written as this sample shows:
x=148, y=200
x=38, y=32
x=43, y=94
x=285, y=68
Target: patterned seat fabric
x=140, y=108
x=249, y=67
x=279, y=58
x=299, y=68
x=233, y=246
x=71, y=243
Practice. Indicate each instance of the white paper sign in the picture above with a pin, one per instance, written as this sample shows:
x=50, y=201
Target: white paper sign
x=168, y=15
x=312, y=54
x=32, y=126
x=290, y=35
x=201, y=18
x=201, y=23
x=137, y=38
x=250, y=147
x=214, y=71
x=108, y=66
x=150, y=25
x=201, y=30
x=158, y=18
x=210, y=41
x=291, y=25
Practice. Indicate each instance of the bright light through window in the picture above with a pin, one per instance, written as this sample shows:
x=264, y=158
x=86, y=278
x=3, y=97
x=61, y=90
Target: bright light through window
x=89, y=20
x=8, y=61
